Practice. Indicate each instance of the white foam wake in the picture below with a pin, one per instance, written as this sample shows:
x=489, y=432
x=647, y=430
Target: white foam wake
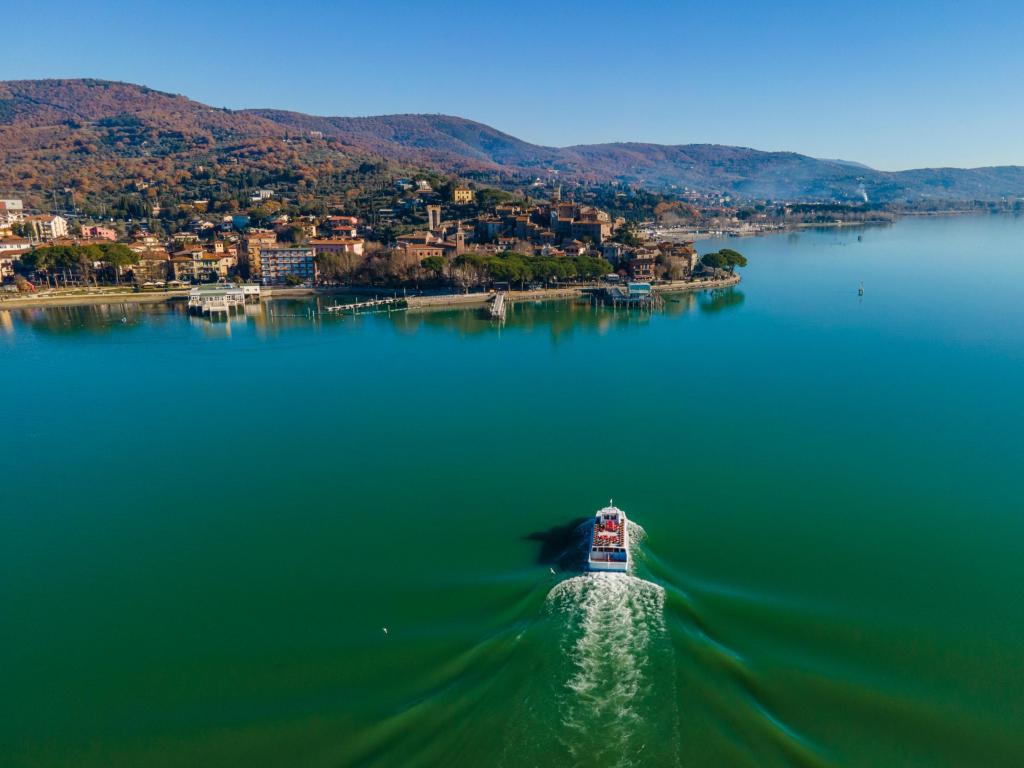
x=610, y=622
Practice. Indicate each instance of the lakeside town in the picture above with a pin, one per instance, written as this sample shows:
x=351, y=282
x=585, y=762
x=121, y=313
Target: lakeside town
x=453, y=240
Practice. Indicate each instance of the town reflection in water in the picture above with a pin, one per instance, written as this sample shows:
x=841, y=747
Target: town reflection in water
x=86, y=319
x=563, y=317
x=274, y=317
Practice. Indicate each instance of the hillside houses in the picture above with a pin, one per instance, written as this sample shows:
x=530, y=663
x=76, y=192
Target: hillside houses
x=287, y=245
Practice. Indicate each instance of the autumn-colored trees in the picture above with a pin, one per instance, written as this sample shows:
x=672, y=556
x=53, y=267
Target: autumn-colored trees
x=77, y=261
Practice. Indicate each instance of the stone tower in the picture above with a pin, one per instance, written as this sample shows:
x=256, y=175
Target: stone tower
x=460, y=239
x=434, y=217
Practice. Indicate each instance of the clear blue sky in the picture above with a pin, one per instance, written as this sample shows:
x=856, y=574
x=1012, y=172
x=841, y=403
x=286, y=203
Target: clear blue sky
x=897, y=84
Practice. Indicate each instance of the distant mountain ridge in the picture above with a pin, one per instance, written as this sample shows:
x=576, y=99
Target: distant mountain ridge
x=456, y=143
x=95, y=131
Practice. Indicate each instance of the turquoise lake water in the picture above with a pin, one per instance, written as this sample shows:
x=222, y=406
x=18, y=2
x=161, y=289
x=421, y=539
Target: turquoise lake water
x=205, y=528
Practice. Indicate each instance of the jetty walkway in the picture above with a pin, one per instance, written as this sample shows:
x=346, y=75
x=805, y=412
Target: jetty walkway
x=498, y=307
x=389, y=304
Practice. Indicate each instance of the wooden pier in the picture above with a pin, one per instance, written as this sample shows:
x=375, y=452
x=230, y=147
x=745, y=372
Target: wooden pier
x=368, y=307
x=498, y=307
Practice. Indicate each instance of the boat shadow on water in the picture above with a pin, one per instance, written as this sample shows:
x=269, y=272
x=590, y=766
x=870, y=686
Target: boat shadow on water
x=562, y=546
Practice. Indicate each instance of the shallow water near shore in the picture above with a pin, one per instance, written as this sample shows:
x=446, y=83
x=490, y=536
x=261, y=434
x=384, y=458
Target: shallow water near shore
x=205, y=528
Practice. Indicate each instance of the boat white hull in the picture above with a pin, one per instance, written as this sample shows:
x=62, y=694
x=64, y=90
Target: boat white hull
x=603, y=565
x=609, y=541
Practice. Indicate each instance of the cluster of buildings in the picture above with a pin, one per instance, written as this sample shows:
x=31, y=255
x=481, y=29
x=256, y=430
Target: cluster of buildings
x=555, y=228
x=19, y=230
x=264, y=259
x=289, y=250
x=45, y=226
x=201, y=254
x=257, y=254
x=558, y=223
x=652, y=261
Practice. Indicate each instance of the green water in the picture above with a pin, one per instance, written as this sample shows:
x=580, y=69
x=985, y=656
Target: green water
x=206, y=527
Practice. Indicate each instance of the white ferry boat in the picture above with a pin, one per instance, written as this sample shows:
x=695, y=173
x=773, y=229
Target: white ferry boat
x=609, y=548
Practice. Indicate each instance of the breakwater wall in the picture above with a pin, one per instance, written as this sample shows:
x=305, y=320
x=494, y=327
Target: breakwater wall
x=449, y=300
x=681, y=286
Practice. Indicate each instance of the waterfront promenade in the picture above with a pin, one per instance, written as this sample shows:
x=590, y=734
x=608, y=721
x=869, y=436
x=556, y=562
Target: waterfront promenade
x=568, y=292
x=123, y=296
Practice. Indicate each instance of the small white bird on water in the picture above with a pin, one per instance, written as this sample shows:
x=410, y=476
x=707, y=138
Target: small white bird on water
x=552, y=571
x=385, y=630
